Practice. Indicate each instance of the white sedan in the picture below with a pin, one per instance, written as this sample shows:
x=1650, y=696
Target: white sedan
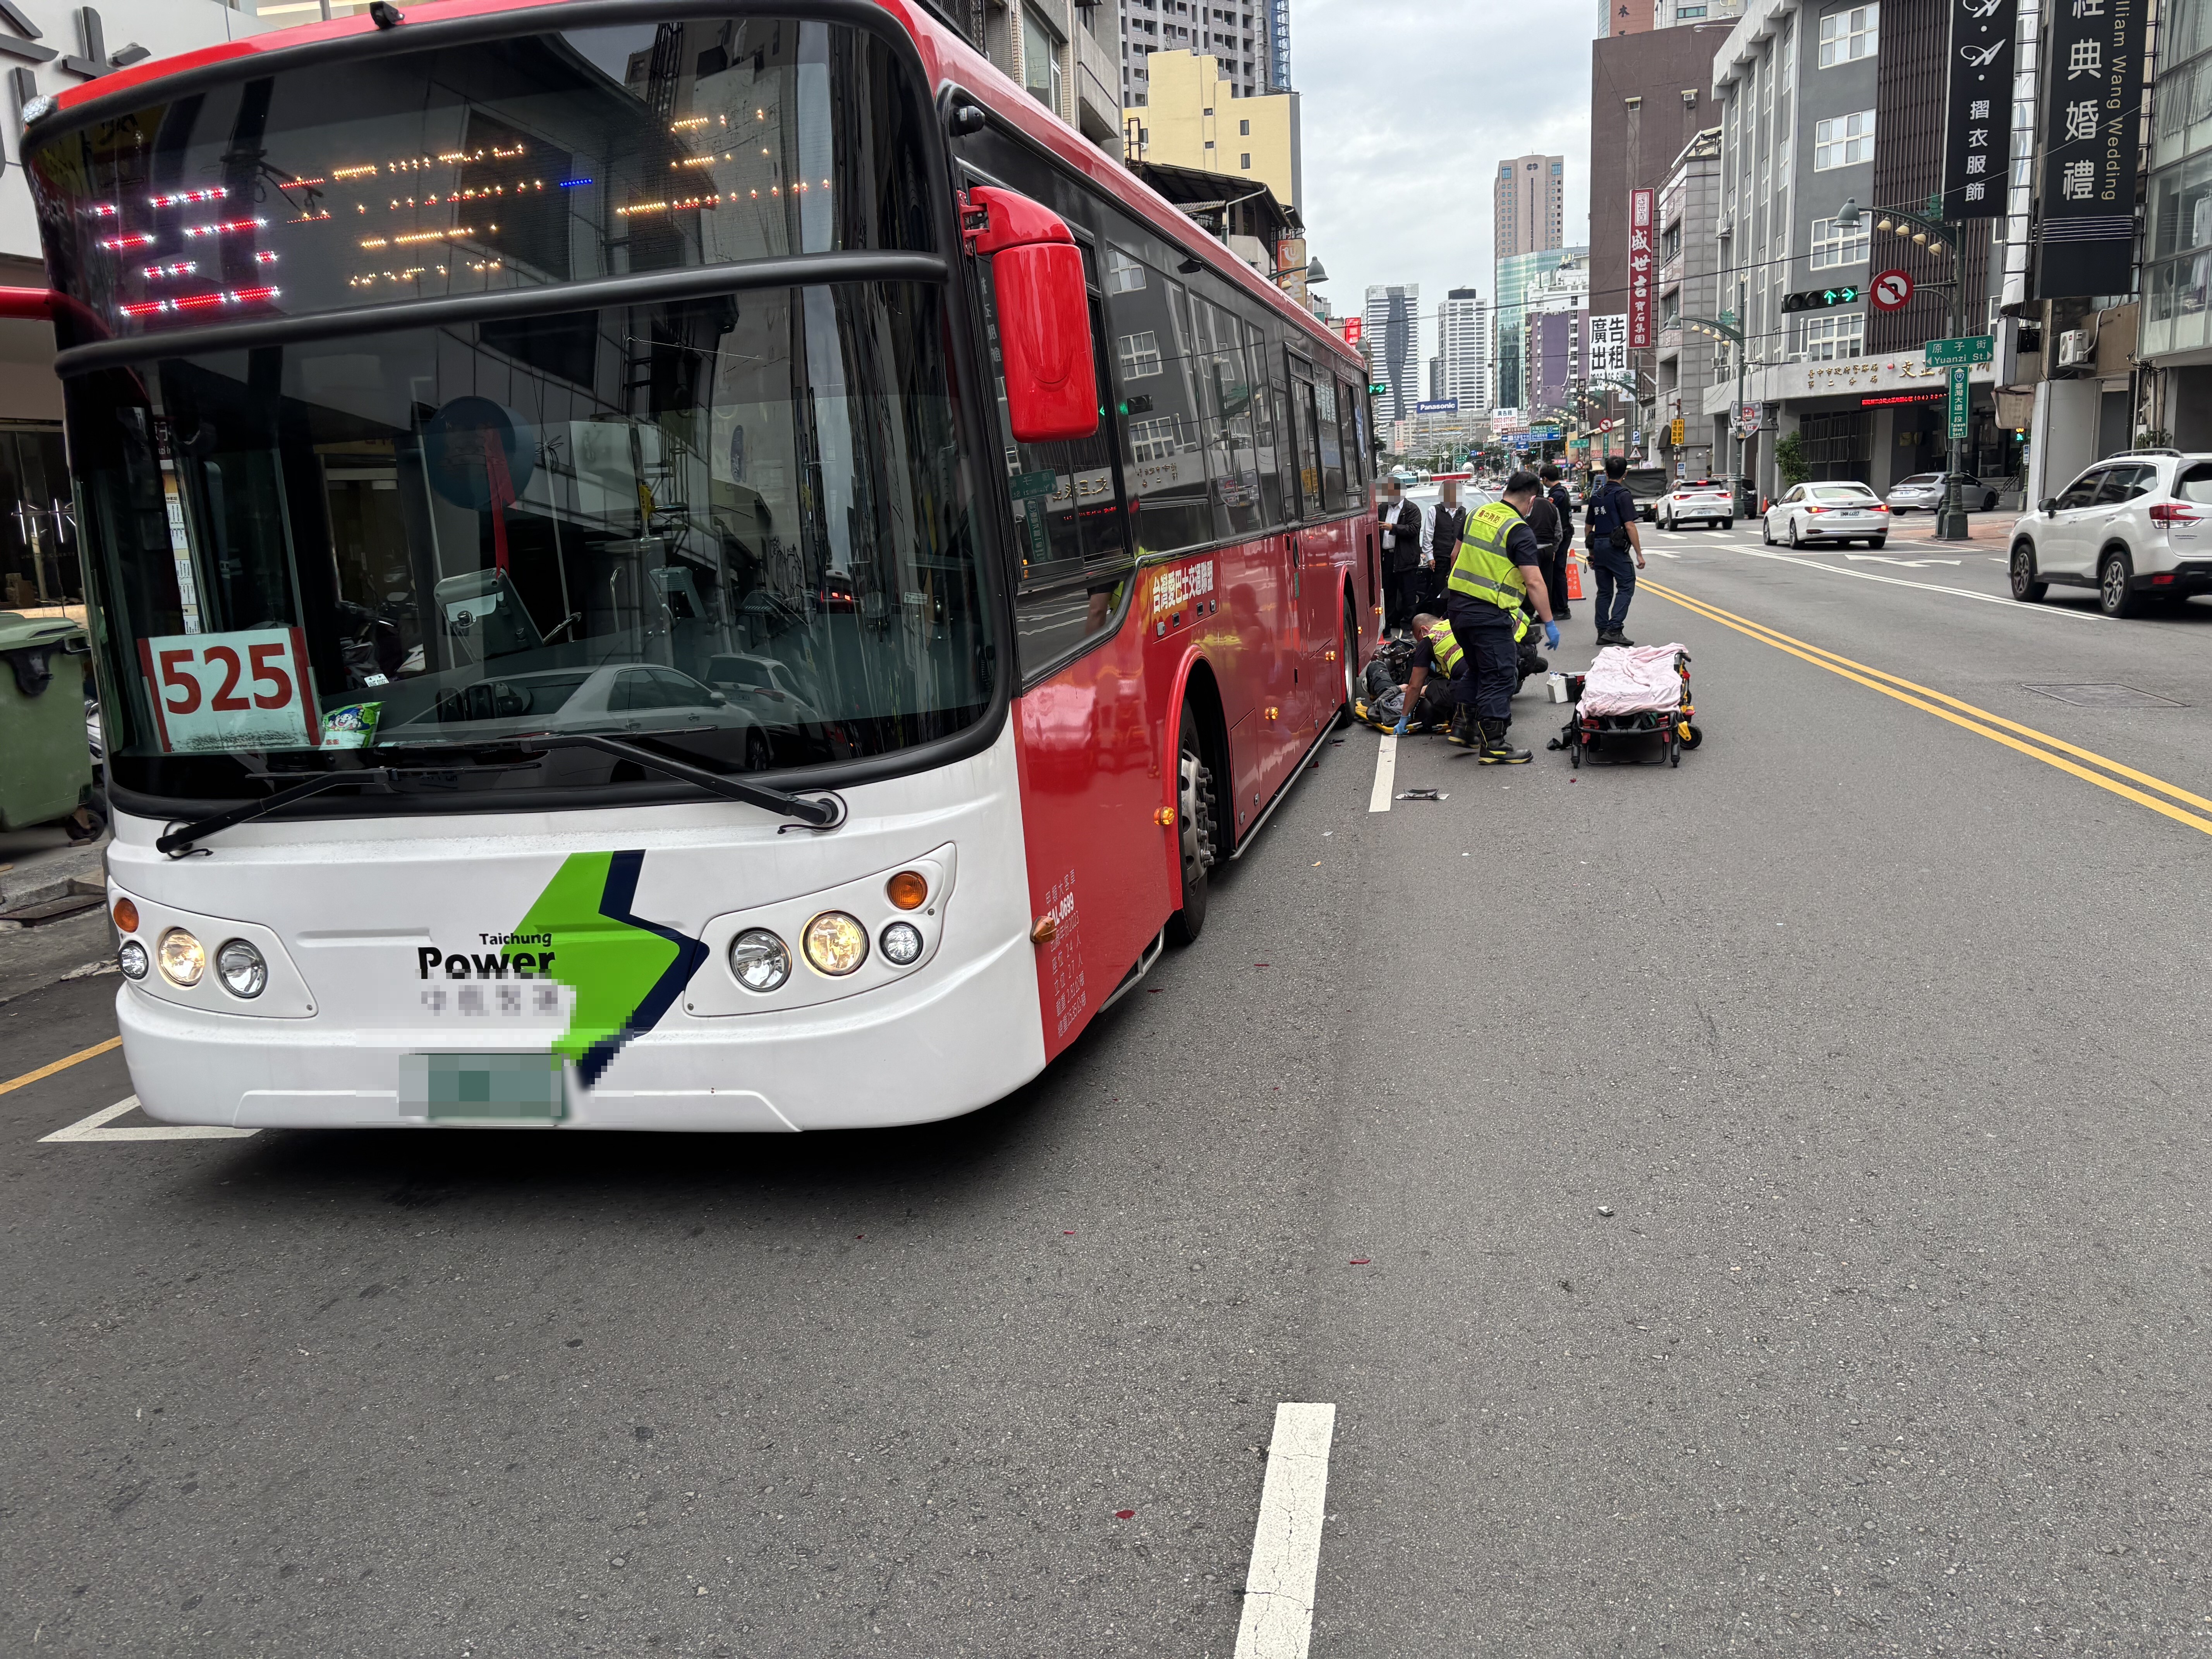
x=1811, y=514
x=1698, y=501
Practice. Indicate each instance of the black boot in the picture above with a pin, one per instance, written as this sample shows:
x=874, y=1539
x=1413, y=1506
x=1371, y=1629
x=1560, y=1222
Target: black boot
x=1496, y=751
x=1462, y=731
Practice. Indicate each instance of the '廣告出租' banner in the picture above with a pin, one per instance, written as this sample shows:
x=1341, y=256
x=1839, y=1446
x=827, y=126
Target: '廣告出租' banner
x=2093, y=120
x=1639, y=269
x=1977, y=108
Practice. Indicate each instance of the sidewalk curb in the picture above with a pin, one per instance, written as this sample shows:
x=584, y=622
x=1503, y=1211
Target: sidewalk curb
x=48, y=875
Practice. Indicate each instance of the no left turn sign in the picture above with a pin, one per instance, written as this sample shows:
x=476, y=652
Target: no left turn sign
x=1891, y=289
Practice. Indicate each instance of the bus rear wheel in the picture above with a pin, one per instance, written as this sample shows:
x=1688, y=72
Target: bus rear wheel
x=1194, y=828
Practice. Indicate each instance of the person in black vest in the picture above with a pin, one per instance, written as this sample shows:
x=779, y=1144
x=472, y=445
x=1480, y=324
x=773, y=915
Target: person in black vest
x=1401, y=557
x=1611, y=535
x=1446, y=520
x=1555, y=570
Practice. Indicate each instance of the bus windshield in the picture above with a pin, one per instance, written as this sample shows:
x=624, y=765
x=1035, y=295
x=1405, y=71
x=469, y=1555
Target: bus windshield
x=737, y=528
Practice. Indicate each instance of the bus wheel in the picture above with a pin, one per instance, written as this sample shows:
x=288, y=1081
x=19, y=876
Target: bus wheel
x=1195, y=829
x=1344, y=715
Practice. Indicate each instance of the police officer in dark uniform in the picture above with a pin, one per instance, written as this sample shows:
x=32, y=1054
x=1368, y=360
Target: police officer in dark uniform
x=1499, y=567
x=1610, y=535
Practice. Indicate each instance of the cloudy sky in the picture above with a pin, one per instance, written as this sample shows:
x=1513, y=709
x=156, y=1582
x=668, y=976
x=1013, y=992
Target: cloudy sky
x=1407, y=108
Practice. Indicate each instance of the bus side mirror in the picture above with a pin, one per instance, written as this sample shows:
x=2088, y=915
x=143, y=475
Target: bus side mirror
x=1044, y=315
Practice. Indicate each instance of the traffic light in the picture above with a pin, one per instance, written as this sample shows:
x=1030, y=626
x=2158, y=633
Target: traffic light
x=1821, y=299
x=1378, y=388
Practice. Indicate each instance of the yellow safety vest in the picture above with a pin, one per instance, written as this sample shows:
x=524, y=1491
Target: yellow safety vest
x=1483, y=571
x=1445, y=645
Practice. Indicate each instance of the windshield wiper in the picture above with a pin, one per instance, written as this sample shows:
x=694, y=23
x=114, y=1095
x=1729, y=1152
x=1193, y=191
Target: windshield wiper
x=825, y=811
x=175, y=844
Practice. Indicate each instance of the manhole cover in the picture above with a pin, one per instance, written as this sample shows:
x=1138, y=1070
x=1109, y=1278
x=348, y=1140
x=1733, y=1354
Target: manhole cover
x=2103, y=697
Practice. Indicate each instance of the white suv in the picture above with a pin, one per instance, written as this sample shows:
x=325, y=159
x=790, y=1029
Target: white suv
x=1697, y=500
x=2136, y=527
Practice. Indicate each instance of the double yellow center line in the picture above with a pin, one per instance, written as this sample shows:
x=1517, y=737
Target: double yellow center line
x=2037, y=745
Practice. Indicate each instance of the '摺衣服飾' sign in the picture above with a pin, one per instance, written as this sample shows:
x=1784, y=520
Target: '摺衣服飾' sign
x=1639, y=269
x=1978, y=109
x=1973, y=348
x=2093, y=119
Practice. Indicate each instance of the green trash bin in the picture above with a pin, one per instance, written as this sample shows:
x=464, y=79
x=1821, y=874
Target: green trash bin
x=45, y=764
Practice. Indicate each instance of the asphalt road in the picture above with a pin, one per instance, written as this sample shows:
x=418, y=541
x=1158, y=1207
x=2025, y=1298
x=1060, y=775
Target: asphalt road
x=1755, y=1206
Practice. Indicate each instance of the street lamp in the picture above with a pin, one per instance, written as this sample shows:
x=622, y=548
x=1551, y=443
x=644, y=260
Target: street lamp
x=1726, y=326
x=1936, y=237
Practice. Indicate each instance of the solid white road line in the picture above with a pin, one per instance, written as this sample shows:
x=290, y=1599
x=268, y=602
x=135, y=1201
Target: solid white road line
x=1277, y=1622
x=91, y=1128
x=1925, y=588
x=1386, y=775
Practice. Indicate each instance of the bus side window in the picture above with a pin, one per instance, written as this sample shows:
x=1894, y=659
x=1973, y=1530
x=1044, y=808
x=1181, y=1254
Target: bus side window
x=1069, y=522
x=1304, y=429
x=1266, y=426
x=1332, y=446
x=1347, y=407
x=1163, y=439
x=1227, y=383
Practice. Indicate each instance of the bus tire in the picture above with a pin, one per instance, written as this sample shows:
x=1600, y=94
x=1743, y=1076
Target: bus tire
x=1196, y=836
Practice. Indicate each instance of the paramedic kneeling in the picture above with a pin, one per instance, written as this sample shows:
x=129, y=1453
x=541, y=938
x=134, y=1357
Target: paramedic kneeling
x=1499, y=565
x=1439, y=651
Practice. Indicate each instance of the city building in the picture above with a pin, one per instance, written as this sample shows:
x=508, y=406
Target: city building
x=1463, y=350
x=1649, y=96
x=1802, y=92
x=1673, y=14
x=1197, y=119
x=1616, y=17
x=1247, y=39
x=1066, y=53
x=1687, y=285
x=1527, y=205
x=50, y=46
x=1552, y=279
x=1391, y=332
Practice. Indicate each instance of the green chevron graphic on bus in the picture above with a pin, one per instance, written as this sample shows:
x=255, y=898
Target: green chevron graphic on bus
x=626, y=971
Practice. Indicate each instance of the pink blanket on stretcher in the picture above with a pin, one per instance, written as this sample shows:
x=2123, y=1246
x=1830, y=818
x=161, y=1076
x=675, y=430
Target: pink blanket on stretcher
x=1631, y=679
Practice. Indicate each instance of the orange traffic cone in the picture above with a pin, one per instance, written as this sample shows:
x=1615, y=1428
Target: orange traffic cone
x=1574, y=579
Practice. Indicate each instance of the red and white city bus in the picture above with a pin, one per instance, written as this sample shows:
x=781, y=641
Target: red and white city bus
x=667, y=566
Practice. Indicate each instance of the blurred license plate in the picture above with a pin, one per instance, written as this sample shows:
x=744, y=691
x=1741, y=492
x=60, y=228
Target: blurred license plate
x=481, y=1088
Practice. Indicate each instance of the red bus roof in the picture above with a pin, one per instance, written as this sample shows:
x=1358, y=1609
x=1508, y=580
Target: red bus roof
x=945, y=55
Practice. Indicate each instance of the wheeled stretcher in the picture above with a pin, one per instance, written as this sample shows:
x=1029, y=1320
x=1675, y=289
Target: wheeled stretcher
x=1635, y=697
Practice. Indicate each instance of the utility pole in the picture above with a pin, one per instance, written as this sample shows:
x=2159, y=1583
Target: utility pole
x=1728, y=326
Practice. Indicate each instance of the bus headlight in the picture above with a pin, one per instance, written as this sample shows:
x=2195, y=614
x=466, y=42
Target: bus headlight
x=835, y=943
x=182, y=959
x=132, y=959
x=241, y=969
x=901, y=943
x=759, y=960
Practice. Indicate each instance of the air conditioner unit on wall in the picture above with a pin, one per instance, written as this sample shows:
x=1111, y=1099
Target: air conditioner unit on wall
x=2075, y=347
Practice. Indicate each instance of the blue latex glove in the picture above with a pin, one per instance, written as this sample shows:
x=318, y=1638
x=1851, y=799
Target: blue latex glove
x=1552, y=635
x=1399, y=731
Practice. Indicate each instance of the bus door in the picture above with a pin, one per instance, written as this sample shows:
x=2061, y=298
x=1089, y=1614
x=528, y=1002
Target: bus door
x=1329, y=547
x=1311, y=395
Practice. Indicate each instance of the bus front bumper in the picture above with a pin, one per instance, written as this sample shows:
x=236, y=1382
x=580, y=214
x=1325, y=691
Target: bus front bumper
x=945, y=1043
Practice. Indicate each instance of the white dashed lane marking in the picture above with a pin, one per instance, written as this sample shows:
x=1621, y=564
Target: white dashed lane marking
x=1386, y=775
x=1279, y=1591
x=95, y=1129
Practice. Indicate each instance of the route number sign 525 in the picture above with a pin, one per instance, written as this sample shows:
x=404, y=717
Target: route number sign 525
x=224, y=691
